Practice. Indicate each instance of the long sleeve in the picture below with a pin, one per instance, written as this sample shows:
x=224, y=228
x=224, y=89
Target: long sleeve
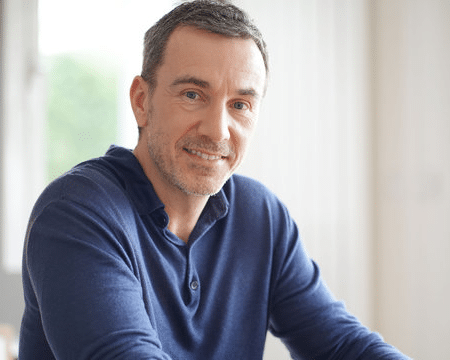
x=309, y=320
x=83, y=287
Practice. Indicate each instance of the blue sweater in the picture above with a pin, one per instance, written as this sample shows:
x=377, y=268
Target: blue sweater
x=104, y=278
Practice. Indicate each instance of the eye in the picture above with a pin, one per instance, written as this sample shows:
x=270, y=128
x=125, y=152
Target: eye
x=192, y=95
x=238, y=105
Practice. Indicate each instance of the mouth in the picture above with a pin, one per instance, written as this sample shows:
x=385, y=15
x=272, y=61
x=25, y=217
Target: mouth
x=204, y=155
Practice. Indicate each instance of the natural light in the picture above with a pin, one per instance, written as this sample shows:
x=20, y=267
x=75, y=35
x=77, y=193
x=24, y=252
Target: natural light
x=108, y=34
x=111, y=31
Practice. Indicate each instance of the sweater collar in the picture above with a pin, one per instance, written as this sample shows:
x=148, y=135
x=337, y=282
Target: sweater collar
x=141, y=192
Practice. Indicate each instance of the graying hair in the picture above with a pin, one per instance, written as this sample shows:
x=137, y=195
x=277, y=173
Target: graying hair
x=218, y=17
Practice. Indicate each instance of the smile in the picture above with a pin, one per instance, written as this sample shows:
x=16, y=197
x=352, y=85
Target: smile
x=203, y=155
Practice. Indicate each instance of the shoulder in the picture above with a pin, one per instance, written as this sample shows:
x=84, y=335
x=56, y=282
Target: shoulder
x=241, y=188
x=249, y=198
x=91, y=185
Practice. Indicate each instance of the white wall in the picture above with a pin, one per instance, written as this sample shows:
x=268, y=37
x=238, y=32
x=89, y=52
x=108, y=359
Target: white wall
x=412, y=131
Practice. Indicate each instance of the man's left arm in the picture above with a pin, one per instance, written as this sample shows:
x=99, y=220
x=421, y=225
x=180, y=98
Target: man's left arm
x=306, y=316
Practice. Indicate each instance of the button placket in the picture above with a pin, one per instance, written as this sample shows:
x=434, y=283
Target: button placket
x=193, y=280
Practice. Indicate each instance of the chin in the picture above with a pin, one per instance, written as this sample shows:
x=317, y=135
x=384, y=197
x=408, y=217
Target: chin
x=202, y=188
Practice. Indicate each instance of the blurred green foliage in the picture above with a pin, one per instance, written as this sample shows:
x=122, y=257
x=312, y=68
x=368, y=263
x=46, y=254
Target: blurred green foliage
x=82, y=111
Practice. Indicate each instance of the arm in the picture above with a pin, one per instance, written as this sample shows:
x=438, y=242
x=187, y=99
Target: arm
x=89, y=295
x=309, y=320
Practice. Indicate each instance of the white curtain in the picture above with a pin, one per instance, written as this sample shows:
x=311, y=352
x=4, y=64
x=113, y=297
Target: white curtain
x=412, y=131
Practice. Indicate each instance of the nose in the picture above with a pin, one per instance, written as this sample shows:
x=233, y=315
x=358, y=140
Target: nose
x=216, y=123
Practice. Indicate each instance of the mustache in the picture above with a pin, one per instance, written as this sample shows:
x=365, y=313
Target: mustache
x=208, y=145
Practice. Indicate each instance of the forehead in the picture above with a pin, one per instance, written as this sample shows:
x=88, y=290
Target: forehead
x=212, y=57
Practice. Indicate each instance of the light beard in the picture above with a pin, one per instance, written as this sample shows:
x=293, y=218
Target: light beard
x=174, y=176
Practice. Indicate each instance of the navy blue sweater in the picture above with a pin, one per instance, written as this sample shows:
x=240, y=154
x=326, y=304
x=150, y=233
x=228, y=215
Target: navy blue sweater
x=104, y=278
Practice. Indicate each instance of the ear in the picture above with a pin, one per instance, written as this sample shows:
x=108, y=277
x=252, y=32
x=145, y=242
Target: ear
x=139, y=93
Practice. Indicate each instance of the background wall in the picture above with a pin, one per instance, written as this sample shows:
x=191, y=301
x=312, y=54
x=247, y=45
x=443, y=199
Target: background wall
x=411, y=112
x=354, y=137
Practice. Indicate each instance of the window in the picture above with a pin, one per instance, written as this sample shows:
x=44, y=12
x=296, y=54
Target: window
x=64, y=94
x=90, y=58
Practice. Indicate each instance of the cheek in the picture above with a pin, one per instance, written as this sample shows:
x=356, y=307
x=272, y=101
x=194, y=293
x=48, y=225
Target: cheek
x=177, y=123
x=165, y=125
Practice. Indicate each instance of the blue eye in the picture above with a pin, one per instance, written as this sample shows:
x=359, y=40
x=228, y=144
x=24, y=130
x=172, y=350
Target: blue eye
x=191, y=95
x=239, y=106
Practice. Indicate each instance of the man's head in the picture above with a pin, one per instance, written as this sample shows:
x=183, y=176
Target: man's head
x=199, y=109
x=218, y=17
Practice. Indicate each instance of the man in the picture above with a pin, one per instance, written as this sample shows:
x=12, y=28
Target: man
x=163, y=253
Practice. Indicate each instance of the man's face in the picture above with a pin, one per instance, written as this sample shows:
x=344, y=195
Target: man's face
x=203, y=110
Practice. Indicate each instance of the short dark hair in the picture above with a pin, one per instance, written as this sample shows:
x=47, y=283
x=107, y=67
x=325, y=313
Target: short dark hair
x=218, y=17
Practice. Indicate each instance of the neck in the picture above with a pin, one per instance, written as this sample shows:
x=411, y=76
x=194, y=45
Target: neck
x=182, y=208
x=184, y=214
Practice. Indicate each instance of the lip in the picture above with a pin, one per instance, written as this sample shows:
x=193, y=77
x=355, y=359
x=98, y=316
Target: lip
x=204, y=155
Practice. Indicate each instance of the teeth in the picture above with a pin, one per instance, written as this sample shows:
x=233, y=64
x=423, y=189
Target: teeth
x=203, y=155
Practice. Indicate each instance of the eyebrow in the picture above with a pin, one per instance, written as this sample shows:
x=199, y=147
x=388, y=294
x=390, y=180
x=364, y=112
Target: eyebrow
x=205, y=85
x=250, y=92
x=191, y=80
